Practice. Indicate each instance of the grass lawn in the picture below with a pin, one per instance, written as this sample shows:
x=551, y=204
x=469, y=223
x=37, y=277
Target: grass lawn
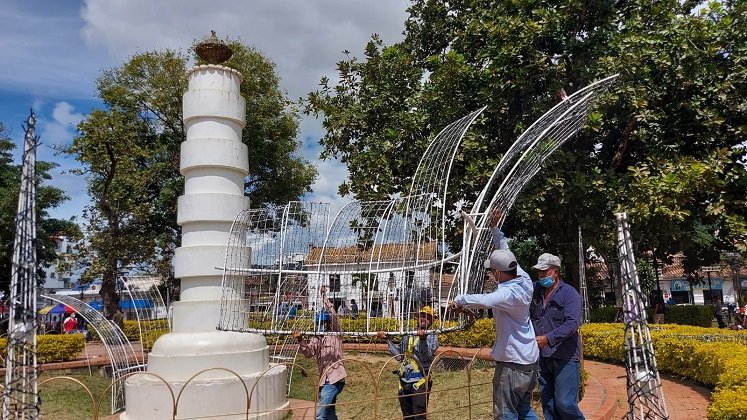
x=450, y=398
x=64, y=399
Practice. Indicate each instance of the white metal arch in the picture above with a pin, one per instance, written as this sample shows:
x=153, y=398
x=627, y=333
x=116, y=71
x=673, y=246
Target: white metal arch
x=118, y=347
x=387, y=254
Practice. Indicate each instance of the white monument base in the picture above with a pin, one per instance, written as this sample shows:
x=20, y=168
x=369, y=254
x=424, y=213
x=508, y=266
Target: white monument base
x=221, y=391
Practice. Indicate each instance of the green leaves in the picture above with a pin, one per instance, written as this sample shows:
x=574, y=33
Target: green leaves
x=663, y=144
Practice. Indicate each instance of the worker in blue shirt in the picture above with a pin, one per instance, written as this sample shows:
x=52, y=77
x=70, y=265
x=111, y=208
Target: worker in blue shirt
x=515, y=351
x=556, y=314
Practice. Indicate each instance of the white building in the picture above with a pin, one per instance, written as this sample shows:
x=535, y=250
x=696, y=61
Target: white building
x=399, y=273
x=62, y=273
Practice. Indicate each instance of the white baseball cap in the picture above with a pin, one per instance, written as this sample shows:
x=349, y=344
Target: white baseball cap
x=546, y=261
x=501, y=260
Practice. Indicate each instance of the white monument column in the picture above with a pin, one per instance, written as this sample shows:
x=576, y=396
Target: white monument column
x=214, y=163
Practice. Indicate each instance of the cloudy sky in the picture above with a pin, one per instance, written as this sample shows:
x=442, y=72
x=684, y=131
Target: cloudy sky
x=52, y=52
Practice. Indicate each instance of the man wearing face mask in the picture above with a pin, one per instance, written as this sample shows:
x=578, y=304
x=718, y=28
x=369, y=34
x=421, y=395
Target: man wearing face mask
x=556, y=315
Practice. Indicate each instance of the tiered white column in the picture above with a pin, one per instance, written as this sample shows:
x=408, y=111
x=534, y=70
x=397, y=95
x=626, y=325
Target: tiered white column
x=214, y=164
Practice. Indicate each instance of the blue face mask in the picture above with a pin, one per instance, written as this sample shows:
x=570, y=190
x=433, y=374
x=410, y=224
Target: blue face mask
x=546, y=281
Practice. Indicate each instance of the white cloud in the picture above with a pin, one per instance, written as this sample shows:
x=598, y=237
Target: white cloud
x=60, y=129
x=304, y=38
x=38, y=105
x=64, y=115
x=54, y=54
x=331, y=174
x=42, y=51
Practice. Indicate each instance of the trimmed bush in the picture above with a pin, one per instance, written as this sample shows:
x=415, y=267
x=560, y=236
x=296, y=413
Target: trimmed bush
x=52, y=347
x=697, y=315
x=480, y=334
x=150, y=337
x=705, y=355
x=133, y=333
x=728, y=404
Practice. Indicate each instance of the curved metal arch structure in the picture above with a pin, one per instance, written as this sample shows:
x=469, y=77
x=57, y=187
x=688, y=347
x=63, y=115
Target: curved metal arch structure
x=146, y=302
x=525, y=158
x=119, y=349
x=389, y=255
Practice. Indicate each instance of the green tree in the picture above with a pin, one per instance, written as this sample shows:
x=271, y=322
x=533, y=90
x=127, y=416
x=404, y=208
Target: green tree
x=47, y=197
x=665, y=144
x=129, y=153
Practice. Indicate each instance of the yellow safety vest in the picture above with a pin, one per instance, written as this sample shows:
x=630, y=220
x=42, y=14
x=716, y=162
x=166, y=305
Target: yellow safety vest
x=409, y=369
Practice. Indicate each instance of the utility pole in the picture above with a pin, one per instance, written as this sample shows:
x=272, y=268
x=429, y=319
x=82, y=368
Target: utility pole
x=582, y=276
x=656, y=270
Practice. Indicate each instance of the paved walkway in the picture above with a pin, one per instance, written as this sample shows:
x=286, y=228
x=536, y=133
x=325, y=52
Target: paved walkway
x=605, y=395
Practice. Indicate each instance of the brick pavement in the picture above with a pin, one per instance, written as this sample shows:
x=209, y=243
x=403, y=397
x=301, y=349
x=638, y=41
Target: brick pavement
x=684, y=401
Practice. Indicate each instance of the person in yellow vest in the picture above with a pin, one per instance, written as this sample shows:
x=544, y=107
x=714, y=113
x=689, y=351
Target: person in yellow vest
x=415, y=353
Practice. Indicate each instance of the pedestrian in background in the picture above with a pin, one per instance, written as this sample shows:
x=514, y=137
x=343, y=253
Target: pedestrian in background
x=415, y=354
x=659, y=307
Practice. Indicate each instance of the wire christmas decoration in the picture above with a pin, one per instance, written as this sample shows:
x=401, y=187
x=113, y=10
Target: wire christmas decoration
x=118, y=347
x=386, y=256
x=21, y=394
x=645, y=395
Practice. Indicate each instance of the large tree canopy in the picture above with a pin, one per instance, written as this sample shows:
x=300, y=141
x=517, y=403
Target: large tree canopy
x=129, y=153
x=46, y=197
x=664, y=145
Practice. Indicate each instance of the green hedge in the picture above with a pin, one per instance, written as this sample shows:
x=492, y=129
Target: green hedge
x=152, y=330
x=480, y=334
x=690, y=352
x=603, y=314
x=52, y=347
x=697, y=315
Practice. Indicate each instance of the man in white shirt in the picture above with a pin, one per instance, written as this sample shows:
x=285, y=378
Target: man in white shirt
x=515, y=350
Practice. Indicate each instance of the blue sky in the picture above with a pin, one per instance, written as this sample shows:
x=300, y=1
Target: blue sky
x=52, y=51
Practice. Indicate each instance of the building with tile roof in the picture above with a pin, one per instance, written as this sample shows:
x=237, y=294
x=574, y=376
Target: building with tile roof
x=673, y=281
x=398, y=272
